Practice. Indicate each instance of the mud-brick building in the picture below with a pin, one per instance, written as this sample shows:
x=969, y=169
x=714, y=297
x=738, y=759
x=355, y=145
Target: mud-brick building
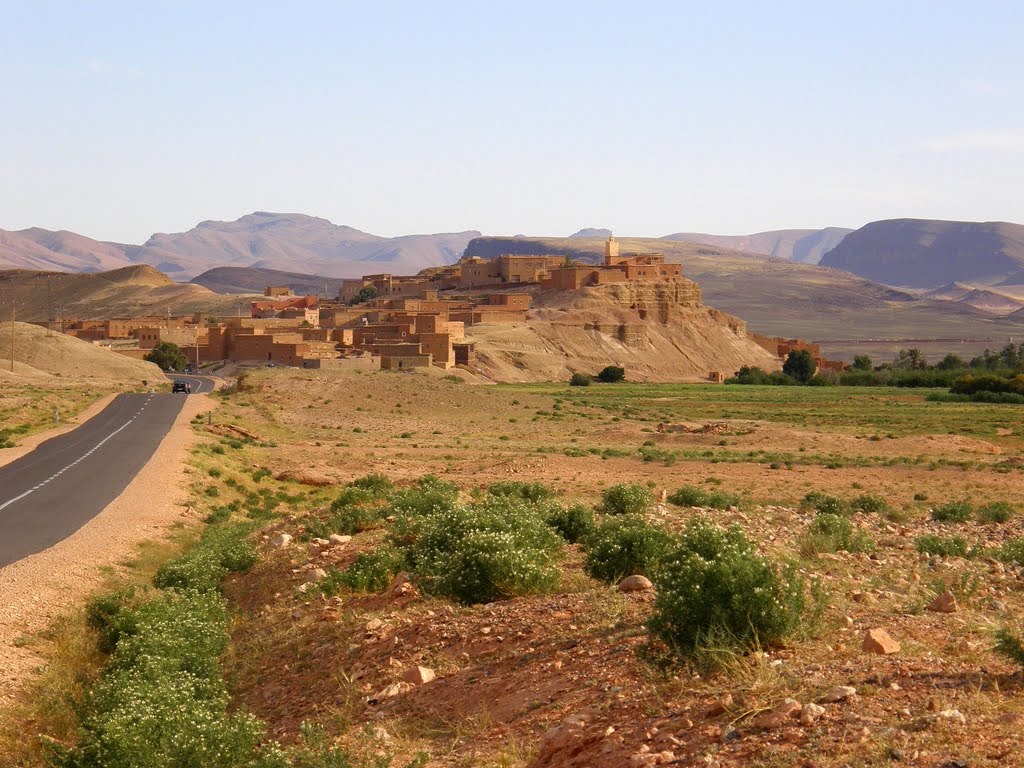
x=507, y=269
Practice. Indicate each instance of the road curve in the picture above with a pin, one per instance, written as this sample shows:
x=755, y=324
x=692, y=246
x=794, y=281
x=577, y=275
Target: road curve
x=48, y=494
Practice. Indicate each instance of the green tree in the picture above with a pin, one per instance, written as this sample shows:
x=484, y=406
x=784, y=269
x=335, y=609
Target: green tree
x=862, y=363
x=799, y=365
x=951, y=362
x=580, y=380
x=168, y=356
x=367, y=293
x=612, y=374
x=912, y=359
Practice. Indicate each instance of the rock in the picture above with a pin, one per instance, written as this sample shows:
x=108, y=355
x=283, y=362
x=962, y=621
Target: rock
x=281, y=541
x=635, y=584
x=719, y=707
x=373, y=625
x=418, y=675
x=944, y=603
x=778, y=716
x=337, y=538
x=390, y=692
x=839, y=693
x=641, y=759
x=878, y=641
x=306, y=477
x=810, y=713
x=319, y=574
x=953, y=715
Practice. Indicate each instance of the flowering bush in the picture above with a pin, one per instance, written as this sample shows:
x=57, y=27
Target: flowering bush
x=692, y=496
x=715, y=588
x=369, y=572
x=626, y=499
x=625, y=546
x=221, y=549
x=535, y=491
x=953, y=512
x=833, y=533
x=573, y=523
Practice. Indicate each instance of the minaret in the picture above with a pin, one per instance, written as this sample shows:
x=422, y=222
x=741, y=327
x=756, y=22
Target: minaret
x=611, y=251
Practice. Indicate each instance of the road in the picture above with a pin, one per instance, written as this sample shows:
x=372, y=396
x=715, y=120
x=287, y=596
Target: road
x=48, y=494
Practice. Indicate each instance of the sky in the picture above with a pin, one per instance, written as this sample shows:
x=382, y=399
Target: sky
x=120, y=119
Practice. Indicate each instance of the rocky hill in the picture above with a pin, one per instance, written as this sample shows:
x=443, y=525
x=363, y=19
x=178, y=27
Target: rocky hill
x=657, y=331
x=804, y=245
x=65, y=251
x=255, y=280
x=126, y=292
x=922, y=253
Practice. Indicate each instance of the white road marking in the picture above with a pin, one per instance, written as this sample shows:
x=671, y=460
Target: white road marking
x=73, y=463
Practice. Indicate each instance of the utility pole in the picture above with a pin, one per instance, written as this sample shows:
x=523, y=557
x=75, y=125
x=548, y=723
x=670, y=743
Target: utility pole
x=12, y=335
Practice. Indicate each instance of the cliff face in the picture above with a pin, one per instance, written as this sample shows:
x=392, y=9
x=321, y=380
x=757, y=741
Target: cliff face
x=657, y=331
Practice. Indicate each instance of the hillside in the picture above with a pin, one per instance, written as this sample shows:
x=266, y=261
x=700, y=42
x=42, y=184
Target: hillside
x=38, y=350
x=126, y=292
x=806, y=246
x=255, y=280
x=922, y=253
x=657, y=331
x=291, y=242
x=779, y=297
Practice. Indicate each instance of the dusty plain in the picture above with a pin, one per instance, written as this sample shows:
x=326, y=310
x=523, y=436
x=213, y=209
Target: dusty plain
x=562, y=679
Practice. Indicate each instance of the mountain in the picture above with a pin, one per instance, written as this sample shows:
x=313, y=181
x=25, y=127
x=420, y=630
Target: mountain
x=290, y=242
x=591, y=232
x=133, y=291
x=922, y=253
x=786, y=298
x=980, y=298
x=806, y=246
x=256, y=280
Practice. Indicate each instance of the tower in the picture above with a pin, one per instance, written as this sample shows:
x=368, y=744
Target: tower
x=611, y=251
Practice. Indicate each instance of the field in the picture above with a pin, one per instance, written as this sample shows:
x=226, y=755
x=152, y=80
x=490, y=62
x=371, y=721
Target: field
x=565, y=673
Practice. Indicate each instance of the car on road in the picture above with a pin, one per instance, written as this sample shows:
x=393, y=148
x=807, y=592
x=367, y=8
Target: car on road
x=181, y=386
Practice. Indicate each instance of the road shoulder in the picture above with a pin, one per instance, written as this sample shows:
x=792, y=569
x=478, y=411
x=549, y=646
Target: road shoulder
x=36, y=590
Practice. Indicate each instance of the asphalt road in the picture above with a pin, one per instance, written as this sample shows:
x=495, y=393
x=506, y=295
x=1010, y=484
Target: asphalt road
x=50, y=493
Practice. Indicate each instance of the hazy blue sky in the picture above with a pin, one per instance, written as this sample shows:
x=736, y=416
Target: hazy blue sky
x=119, y=119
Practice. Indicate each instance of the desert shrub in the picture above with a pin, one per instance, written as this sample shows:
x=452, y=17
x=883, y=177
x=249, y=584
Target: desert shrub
x=353, y=519
x=162, y=701
x=824, y=504
x=692, y=496
x=429, y=495
x=222, y=549
x=834, y=533
x=626, y=499
x=715, y=588
x=953, y=512
x=945, y=546
x=496, y=549
x=625, y=546
x=535, y=491
x=105, y=614
x=580, y=380
x=369, y=572
x=612, y=374
x=378, y=484
x=869, y=504
x=573, y=523
x=1008, y=645
x=995, y=512
x=1012, y=551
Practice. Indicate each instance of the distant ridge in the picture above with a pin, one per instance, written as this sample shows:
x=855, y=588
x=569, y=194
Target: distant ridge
x=256, y=280
x=806, y=246
x=923, y=253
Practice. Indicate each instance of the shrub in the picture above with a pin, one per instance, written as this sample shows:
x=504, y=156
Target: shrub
x=580, y=380
x=995, y=512
x=624, y=546
x=950, y=546
x=1012, y=551
x=377, y=484
x=868, y=504
x=952, y=512
x=1008, y=645
x=573, y=523
x=612, y=374
x=429, y=495
x=692, y=496
x=535, y=491
x=824, y=504
x=106, y=614
x=626, y=499
x=834, y=533
x=221, y=549
x=715, y=588
x=369, y=572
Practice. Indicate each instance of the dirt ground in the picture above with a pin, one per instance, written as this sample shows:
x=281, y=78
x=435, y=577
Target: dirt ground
x=562, y=680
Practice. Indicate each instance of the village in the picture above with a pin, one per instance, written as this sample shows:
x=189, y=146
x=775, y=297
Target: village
x=389, y=321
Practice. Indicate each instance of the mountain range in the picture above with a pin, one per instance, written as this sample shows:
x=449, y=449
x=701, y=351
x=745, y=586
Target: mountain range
x=290, y=242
